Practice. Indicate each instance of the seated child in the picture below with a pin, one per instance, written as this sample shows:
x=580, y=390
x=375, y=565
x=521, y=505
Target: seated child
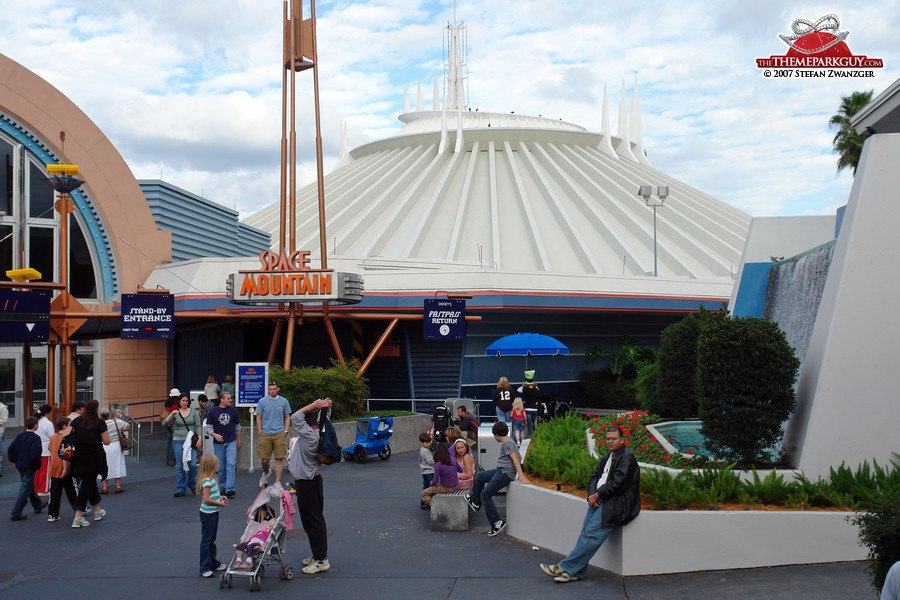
x=252, y=545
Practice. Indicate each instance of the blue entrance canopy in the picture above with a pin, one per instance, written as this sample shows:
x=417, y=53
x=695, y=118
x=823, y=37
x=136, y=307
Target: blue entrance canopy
x=523, y=344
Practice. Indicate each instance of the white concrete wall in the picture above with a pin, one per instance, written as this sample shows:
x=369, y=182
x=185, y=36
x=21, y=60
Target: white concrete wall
x=847, y=391
x=683, y=541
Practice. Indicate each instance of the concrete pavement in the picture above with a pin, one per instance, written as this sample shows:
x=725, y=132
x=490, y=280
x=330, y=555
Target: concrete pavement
x=379, y=547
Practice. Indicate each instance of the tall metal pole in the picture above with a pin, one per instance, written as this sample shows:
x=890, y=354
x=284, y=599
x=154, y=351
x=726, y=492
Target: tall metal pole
x=655, y=269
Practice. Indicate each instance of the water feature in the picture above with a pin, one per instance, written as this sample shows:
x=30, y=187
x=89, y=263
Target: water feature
x=793, y=294
x=685, y=437
x=680, y=436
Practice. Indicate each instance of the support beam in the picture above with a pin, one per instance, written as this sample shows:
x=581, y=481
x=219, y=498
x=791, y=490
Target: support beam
x=374, y=351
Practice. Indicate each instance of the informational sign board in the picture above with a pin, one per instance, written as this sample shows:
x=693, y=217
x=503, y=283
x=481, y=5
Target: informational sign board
x=148, y=317
x=445, y=320
x=24, y=315
x=252, y=383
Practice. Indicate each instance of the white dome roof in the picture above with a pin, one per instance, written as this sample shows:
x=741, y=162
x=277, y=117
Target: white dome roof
x=513, y=193
x=521, y=194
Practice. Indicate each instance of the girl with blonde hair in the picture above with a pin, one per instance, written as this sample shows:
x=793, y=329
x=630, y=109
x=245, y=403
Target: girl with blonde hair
x=208, y=489
x=518, y=421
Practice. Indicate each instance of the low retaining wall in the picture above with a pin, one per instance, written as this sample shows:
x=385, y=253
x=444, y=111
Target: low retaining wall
x=404, y=439
x=659, y=542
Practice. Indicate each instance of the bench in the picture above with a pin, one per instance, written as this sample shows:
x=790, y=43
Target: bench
x=449, y=512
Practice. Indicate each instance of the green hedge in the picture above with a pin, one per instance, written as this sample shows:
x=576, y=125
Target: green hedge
x=301, y=386
x=677, y=377
x=745, y=375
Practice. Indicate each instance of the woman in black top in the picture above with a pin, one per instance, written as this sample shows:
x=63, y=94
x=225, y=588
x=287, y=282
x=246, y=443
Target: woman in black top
x=89, y=461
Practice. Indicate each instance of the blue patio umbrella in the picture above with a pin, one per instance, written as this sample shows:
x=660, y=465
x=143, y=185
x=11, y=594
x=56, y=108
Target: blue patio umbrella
x=526, y=344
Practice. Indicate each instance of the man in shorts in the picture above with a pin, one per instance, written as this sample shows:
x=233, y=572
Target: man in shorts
x=273, y=418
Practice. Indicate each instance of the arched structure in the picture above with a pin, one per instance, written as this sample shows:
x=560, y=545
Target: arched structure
x=114, y=243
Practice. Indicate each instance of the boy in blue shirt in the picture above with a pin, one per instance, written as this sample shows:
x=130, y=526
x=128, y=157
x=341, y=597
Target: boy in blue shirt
x=488, y=483
x=25, y=452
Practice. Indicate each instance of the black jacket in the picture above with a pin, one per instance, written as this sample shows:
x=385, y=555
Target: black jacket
x=25, y=451
x=621, y=494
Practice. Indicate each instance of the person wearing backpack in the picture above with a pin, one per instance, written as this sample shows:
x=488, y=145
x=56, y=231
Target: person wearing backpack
x=308, y=483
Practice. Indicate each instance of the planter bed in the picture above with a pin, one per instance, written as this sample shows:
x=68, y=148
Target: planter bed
x=682, y=541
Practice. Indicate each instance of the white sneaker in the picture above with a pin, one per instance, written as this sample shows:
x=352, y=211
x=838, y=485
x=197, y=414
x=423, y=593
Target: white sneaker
x=308, y=561
x=316, y=566
x=80, y=523
x=98, y=516
x=52, y=519
x=264, y=479
x=497, y=528
x=206, y=574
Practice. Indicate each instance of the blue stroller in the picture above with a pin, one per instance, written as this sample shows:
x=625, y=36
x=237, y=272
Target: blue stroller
x=373, y=436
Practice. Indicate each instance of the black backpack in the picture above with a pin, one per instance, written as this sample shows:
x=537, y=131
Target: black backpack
x=329, y=448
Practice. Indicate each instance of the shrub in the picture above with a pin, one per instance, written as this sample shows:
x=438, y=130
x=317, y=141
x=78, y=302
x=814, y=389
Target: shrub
x=745, y=373
x=879, y=529
x=770, y=490
x=602, y=389
x=715, y=485
x=645, y=386
x=558, y=451
x=677, y=393
x=665, y=491
x=302, y=386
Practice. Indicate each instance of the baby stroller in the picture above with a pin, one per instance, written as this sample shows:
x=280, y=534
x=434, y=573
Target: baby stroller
x=441, y=419
x=549, y=408
x=266, y=512
x=373, y=436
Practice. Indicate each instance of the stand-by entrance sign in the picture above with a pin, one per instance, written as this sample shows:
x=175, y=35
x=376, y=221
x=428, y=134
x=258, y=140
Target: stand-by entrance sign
x=251, y=383
x=24, y=315
x=148, y=317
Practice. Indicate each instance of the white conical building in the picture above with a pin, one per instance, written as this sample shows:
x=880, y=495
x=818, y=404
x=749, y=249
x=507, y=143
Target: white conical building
x=528, y=214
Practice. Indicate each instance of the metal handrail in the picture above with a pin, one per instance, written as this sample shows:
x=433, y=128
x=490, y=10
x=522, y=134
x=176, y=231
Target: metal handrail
x=135, y=437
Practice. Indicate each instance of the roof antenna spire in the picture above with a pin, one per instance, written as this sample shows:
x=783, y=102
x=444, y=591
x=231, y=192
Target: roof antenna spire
x=455, y=65
x=624, y=148
x=636, y=132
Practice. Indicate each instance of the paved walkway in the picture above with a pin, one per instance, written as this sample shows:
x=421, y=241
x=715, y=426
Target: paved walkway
x=379, y=547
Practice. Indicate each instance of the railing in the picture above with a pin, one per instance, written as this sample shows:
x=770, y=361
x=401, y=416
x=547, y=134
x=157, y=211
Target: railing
x=152, y=418
x=135, y=437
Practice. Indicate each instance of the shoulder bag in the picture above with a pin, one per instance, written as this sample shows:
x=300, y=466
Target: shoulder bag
x=124, y=442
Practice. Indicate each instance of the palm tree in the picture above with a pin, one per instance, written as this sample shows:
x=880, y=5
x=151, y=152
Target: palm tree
x=847, y=143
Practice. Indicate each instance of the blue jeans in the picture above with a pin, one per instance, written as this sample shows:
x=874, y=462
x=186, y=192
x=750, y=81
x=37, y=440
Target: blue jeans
x=184, y=479
x=593, y=534
x=26, y=494
x=487, y=484
x=531, y=419
x=504, y=416
x=209, y=527
x=1, y=451
x=227, y=455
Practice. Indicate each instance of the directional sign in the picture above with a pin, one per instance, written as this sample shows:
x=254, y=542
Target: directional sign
x=24, y=315
x=148, y=317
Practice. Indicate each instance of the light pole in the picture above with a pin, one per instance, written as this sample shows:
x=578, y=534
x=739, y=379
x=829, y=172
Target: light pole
x=646, y=192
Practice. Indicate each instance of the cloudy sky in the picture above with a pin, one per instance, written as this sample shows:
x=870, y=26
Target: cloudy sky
x=190, y=91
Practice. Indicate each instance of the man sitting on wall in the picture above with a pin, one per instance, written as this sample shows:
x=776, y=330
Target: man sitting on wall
x=614, y=499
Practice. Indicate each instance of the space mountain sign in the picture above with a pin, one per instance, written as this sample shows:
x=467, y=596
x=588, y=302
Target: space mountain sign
x=286, y=277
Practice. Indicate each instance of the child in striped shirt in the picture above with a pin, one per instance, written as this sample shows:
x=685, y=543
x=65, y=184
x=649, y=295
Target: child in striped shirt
x=208, y=489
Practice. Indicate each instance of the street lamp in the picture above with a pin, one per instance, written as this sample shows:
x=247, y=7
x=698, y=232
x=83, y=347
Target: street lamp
x=646, y=192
